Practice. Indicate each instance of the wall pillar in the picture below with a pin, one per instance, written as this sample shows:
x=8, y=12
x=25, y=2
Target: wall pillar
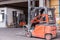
x=41, y=3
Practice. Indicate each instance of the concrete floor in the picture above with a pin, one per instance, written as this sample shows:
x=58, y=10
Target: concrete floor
x=17, y=34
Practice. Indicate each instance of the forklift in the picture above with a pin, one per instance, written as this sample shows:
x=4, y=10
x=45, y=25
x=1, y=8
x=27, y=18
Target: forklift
x=41, y=22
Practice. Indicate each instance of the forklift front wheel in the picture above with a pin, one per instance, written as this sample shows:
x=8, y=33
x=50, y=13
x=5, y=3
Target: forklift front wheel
x=28, y=34
x=48, y=37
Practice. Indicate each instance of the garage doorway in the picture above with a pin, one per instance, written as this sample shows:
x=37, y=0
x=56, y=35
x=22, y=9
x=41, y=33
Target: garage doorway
x=14, y=13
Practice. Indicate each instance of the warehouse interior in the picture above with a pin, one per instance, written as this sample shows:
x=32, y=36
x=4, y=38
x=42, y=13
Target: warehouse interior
x=16, y=11
x=24, y=6
x=21, y=5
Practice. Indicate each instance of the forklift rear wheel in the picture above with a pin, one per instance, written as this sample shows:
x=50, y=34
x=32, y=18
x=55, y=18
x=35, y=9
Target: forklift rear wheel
x=48, y=37
x=28, y=34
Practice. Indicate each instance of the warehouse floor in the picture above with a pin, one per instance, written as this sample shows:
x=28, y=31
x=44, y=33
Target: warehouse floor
x=16, y=34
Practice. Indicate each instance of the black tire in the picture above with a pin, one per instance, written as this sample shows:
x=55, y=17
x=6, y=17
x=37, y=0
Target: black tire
x=28, y=34
x=48, y=37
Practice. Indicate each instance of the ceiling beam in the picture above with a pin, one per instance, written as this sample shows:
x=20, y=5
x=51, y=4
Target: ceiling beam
x=14, y=1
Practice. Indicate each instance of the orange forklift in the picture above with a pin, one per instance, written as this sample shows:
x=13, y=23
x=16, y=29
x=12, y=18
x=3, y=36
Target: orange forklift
x=41, y=22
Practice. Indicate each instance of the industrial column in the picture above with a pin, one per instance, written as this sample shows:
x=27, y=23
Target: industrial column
x=29, y=8
x=41, y=3
x=30, y=5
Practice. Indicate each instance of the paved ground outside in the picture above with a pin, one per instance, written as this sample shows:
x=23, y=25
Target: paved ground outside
x=17, y=34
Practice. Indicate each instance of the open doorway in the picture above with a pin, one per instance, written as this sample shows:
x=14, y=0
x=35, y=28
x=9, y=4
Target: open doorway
x=18, y=19
x=22, y=21
x=14, y=13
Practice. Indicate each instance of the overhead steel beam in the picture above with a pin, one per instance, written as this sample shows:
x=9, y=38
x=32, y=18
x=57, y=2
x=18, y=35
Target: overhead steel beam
x=12, y=1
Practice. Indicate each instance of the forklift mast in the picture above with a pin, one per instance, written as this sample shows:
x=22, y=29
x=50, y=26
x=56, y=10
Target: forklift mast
x=29, y=11
x=31, y=7
x=33, y=11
